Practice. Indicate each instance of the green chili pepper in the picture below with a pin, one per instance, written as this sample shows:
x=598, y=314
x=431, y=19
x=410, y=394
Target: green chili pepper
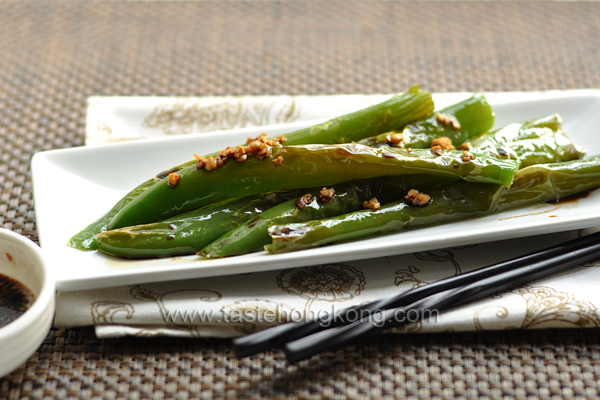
x=553, y=147
x=188, y=232
x=530, y=129
x=86, y=239
x=303, y=166
x=253, y=235
x=390, y=114
x=538, y=141
x=474, y=116
x=457, y=200
x=550, y=182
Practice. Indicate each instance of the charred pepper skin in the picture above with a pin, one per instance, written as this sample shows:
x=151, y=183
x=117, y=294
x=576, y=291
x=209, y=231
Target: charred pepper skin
x=532, y=185
x=189, y=232
x=474, y=115
x=394, y=113
x=304, y=166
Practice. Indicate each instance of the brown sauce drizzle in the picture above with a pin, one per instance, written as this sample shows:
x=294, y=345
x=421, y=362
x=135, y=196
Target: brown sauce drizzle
x=15, y=298
x=164, y=174
x=572, y=198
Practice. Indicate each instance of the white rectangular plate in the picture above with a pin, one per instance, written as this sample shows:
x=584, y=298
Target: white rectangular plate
x=74, y=187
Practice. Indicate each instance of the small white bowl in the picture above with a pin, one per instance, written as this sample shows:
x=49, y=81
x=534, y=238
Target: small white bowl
x=22, y=260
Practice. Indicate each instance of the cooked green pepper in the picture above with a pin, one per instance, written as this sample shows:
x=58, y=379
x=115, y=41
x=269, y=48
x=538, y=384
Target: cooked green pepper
x=538, y=141
x=303, y=166
x=530, y=129
x=86, y=239
x=534, y=143
x=550, y=182
x=457, y=200
x=188, y=232
x=253, y=235
x=390, y=114
x=474, y=116
x=552, y=147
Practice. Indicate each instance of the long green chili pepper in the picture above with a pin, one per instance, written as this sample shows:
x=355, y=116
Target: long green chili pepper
x=553, y=147
x=188, y=232
x=390, y=114
x=253, y=235
x=303, y=166
x=86, y=239
x=550, y=182
x=494, y=140
x=538, y=141
x=457, y=200
x=474, y=116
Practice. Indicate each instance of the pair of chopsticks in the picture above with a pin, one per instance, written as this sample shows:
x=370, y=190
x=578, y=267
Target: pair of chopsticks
x=305, y=339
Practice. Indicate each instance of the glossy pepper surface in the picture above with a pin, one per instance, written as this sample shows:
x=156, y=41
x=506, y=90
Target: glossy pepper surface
x=537, y=141
x=391, y=114
x=303, y=166
x=457, y=200
x=188, y=232
x=474, y=116
x=86, y=239
x=394, y=113
x=550, y=182
x=530, y=129
x=532, y=142
x=553, y=147
x=253, y=235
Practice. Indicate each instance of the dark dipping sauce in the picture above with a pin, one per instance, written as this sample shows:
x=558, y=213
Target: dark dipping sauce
x=15, y=298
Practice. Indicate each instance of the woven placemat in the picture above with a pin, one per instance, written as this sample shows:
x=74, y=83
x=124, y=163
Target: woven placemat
x=53, y=55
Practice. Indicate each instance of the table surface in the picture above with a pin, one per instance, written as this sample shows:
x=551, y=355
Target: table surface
x=53, y=55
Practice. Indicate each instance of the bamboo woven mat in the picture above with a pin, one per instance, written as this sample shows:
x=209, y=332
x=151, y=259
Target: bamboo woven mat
x=53, y=55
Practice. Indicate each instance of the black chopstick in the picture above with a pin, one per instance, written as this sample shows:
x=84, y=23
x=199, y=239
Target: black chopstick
x=277, y=336
x=538, y=268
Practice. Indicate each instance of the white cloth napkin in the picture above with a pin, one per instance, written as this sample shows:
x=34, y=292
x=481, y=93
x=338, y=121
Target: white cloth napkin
x=234, y=305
